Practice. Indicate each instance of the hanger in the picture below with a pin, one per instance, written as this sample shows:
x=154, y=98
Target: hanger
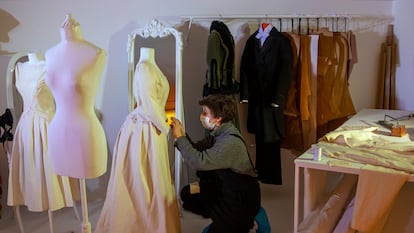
x=346, y=24
x=280, y=24
x=337, y=24
x=187, y=33
x=317, y=24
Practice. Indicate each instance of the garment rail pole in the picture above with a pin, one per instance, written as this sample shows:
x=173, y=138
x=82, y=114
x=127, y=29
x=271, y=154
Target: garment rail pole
x=350, y=21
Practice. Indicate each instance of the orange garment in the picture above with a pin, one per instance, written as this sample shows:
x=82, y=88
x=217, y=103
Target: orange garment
x=342, y=97
x=314, y=44
x=291, y=106
x=319, y=99
x=309, y=99
x=300, y=109
x=326, y=66
x=352, y=50
x=293, y=125
x=334, y=99
x=340, y=77
x=305, y=89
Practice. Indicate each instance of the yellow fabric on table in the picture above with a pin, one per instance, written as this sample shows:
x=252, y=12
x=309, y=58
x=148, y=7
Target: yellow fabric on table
x=376, y=191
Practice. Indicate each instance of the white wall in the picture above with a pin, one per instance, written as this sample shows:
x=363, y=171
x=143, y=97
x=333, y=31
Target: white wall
x=107, y=24
x=403, y=12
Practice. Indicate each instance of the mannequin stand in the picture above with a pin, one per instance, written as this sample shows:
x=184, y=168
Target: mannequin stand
x=86, y=225
x=16, y=209
x=51, y=227
x=50, y=214
x=19, y=218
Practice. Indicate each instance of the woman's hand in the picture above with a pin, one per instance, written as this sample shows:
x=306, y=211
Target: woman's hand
x=177, y=128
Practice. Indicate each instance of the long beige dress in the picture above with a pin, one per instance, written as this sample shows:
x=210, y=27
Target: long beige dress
x=32, y=181
x=140, y=195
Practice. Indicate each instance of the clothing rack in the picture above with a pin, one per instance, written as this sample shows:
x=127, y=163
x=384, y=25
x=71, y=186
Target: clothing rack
x=301, y=23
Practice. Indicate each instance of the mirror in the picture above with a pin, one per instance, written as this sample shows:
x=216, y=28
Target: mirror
x=163, y=40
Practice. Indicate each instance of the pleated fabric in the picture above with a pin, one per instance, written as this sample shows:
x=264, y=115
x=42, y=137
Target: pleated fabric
x=32, y=180
x=140, y=195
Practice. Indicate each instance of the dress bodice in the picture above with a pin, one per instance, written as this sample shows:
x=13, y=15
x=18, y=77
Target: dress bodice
x=36, y=95
x=151, y=90
x=75, y=86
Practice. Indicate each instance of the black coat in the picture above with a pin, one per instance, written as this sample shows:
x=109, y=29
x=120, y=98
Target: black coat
x=266, y=73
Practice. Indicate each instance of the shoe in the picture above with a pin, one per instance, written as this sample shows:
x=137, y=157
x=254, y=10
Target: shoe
x=206, y=229
x=263, y=225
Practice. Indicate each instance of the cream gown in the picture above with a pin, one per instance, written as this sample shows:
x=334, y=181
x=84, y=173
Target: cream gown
x=140, y=195
x=32, y=181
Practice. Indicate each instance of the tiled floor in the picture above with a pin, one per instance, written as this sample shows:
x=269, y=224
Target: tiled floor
x=277, y=200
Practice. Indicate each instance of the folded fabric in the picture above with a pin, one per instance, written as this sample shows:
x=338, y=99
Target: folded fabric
x=369, y=137
x=398, y=160
x=376, y=191
x=344, y=224
x=352, y=136
x=324, y=218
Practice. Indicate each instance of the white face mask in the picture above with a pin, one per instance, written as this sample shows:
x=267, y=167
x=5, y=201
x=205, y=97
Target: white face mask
x=205, y=121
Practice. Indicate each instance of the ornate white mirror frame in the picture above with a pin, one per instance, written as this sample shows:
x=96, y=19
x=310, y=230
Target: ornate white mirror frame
x=157, y=30
x=14, y=101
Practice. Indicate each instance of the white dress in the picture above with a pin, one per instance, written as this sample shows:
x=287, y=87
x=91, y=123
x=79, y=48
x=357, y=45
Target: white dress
x=140, y=195
x=32, y=181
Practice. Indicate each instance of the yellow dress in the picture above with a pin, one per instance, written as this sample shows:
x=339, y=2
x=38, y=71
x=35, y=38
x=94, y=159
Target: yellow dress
x=140, y=195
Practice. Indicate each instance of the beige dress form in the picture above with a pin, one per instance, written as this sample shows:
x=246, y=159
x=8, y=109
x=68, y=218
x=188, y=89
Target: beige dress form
x=140, y=195
x=77, y=142
x=32, y=181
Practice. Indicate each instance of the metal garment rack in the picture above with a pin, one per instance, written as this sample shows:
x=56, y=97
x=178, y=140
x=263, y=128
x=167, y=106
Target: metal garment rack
x=300, y=23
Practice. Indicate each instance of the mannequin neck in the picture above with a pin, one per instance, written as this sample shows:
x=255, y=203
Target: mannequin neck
x=35, y=57
x=71, y=33
x=265, y=25
x=147, y=54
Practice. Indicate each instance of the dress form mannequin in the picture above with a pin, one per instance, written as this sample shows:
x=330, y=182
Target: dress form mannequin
x=140, y=195
x=147, y=55
x=77, y=141
x=35, y=57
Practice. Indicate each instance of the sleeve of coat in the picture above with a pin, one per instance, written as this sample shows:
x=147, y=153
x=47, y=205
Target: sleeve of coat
x=245, y=66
